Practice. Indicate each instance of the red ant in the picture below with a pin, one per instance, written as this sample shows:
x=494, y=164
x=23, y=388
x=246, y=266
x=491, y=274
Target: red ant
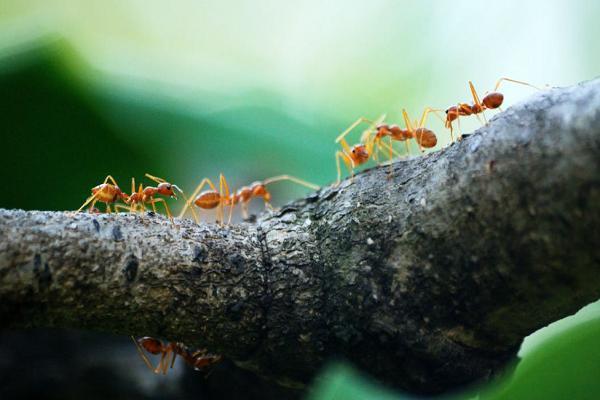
x=490, y=101
x=360, y=153
x=106, y=193
x=147, y=195
x=199, y=359
x=213, y=198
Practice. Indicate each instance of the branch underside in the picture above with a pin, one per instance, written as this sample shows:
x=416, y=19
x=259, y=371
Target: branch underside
x=428, y=280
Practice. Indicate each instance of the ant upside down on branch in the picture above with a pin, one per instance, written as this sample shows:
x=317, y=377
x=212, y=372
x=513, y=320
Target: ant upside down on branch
x=199, y=359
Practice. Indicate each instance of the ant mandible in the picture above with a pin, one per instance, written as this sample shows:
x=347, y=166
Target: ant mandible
x=490, y=101
x=106, y=193
x=199, y=359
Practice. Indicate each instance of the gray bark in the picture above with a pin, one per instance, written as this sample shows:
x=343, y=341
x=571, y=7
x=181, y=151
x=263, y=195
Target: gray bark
x=428, y=280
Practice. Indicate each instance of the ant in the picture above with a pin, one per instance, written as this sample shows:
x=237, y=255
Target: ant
x=490, y=101
x=360, y=153
x=199, y=359
x=147, y=195
x=214, y=198
x=106, y=193
x=259, y=189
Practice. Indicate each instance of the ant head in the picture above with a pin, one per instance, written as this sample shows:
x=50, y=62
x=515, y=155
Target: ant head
x=452, y=109
x=360, y=153
x=451, y=113
x=151, y=345
x=382, y=127
x=260, y=190
x=166, y=189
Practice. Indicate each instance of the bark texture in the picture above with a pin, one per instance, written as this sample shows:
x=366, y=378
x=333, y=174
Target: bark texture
x=427, y=281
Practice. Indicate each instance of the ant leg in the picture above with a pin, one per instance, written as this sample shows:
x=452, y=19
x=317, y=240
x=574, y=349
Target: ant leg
x=153, y=205
x=122, y=207
x=186, y=201
x=225, y=195
x=514, y=81
x=425, y=114
x=87, y=201
x=93, y=204
x=195, y=193
x=108, y=208
x=351, y=127
x=154, y=178
x=244, y=210
x=159, y=368
x=367, y=138
x=291, y=178
x=110, y=178
x=347, y=162
x=477, y=102
x=366, y=135
x=173, y=360
x=391, y=157
x=141, y=353
x=409, y=127
x=167, y=210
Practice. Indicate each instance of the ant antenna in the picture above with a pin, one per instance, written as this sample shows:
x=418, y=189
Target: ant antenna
x=514, y=81
x=299, y=181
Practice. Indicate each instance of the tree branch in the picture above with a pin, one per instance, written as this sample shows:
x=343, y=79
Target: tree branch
x=427, y=281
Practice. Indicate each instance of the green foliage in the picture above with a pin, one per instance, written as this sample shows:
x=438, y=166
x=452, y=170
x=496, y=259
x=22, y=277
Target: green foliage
x=565, y=365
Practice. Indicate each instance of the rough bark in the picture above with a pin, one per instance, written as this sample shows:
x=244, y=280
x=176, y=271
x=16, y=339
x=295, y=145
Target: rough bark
x=428, y=280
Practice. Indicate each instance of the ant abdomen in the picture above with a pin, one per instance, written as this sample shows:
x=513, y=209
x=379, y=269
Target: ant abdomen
x=151, y=345
x=425, y=137
x=208, y=199
x=493, y=100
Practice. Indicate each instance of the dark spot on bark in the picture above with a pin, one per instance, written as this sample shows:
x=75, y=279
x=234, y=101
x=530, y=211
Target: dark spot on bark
x=313, y=197
x=266, y=300
x=96, y=225
x=285, y=210
x=195, y=272
x=251, y=218
x=131, y=268
x=199, y=255
x=42, y=274
x=37, y=262
x=116, y=233
x=237, y=262
x=235, y=310
x=331, y=194
x=151, y=213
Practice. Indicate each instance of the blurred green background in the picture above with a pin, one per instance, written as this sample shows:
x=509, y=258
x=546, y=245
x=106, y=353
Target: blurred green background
x=252, y=89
